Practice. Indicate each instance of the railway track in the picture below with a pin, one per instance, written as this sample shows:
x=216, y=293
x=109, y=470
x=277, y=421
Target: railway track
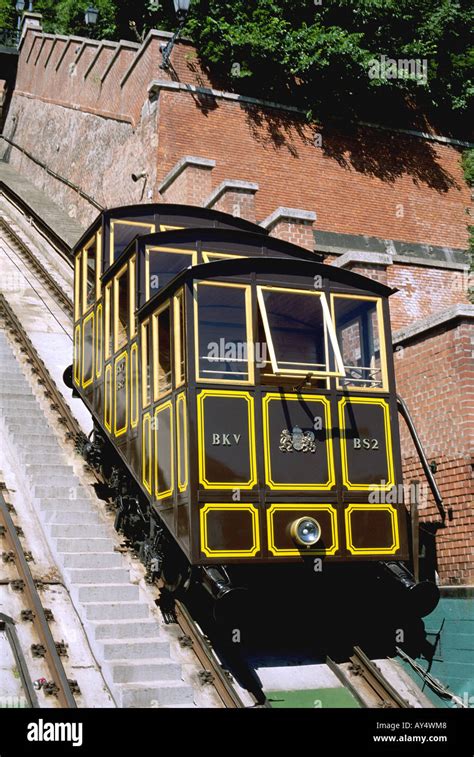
x=366, y=683
x=38, y=268
x=59, y=685
x=359, y=675
x=212, y=672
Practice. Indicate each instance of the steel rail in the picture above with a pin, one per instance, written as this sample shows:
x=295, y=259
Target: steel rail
x=60, y=296
x=378, y=691
x=203, y=651
x=200, y=646
x=40, y=623
x=7, y=624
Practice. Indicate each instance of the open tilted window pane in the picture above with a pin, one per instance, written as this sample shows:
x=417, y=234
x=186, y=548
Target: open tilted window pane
x=299, y=332
x=223, y=332
x=358, y=333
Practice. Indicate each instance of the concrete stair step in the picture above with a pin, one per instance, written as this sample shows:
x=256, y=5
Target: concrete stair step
x=83, y=545
x=18, y=404
x=135, y=649
x=77, y=531
x=50, y=469
x=125, y=592
x=66, y=505
x=29, y=413
x=29, y=427
x=60, y=481
x=76, y=516
x=123, y=629
x=145, y=671
x=92, y=563
x=13, y=390
x=98, y=575
x=31, y=442
x=46, y=458
x=167, y=694
x=58, y=491
x=115, y=610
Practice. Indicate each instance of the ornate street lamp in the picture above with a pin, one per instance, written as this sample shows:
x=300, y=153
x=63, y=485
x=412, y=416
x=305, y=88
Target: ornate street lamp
x=91, y=15
x=181, y=8
x=20, y=7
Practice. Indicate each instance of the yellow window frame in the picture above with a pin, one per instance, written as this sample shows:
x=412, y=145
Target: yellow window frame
x=248, y=333
x=123, y=430
x=208, y=257
x=179, y=335
x=108, y=325
x=132, y=295
x=85, y=258
x=87, y=382
x=108, y=398
x=122, y=272
x=155, y=248
x=156, y=352
x=134, y=386
x=142, y=224
x=382, y=346
x=329, y=331
x=144, y=355
x=99, y=341
x=78, y=286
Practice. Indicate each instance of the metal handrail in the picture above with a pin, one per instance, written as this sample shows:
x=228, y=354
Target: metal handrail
x=52, y=173
x=405, y=413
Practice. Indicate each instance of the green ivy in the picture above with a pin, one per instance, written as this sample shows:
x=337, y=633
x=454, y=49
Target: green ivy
x=313, y=53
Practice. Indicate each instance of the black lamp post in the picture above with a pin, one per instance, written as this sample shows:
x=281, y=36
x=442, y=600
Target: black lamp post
x=91, y=15
x=181, y=9
x=20, y=7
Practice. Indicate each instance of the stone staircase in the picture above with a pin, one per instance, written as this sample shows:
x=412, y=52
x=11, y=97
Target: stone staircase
x=127, y=640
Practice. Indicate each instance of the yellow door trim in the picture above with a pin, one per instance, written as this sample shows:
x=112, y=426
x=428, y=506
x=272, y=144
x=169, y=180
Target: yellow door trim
x=309, y=508
x=134, y=385
x=88, y=382
x=394, y=547
x=123, y=430
x=146, y=463
x=108, y=398
x=224, y=507
x=181, y=400
x=201, y=440
x=388, y=444
x=165, y=406
x=329, y=484
x=77, y=354
x=99, y=341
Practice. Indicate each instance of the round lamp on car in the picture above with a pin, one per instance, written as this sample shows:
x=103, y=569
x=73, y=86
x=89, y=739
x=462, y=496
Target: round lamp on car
x=305, y=531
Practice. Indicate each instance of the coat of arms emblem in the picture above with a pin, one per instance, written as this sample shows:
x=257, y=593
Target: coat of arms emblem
x=297, y=440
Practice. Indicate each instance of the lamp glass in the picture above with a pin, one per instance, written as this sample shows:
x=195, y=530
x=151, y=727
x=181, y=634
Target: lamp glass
x=181, y=7
x=20, y=5
x=91, y=16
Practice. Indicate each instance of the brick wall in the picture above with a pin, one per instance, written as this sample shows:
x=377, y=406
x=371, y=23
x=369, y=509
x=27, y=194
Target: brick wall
x=435, y=375
x=367, y=181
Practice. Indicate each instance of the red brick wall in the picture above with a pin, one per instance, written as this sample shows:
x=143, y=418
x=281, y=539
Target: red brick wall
x=435, y=375
x=339, y=181
x=367, y=181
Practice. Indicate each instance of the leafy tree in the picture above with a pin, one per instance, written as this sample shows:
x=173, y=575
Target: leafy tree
x=313, y=53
